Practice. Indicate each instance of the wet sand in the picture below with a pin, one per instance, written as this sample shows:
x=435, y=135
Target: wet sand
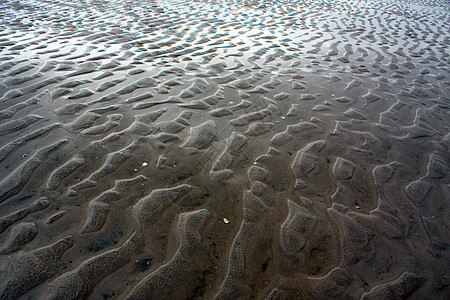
x=224, y=149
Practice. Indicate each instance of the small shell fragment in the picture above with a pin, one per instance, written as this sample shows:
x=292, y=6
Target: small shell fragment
x=225, y=220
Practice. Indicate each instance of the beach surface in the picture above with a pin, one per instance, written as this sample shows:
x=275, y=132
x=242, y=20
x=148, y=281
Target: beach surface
x=240, y=149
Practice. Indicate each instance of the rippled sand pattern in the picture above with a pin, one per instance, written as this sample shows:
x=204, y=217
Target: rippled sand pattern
x=290, y=149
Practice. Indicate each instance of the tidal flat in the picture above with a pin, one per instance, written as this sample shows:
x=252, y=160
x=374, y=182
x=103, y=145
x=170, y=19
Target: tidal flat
x=220, y=149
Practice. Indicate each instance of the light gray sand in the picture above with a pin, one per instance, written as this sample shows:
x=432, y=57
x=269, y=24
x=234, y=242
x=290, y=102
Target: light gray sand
x=224, y=149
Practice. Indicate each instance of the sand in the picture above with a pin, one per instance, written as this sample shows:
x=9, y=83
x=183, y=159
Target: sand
x=224, y=149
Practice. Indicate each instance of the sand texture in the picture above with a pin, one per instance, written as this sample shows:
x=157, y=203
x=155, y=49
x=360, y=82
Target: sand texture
x=224, y=149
